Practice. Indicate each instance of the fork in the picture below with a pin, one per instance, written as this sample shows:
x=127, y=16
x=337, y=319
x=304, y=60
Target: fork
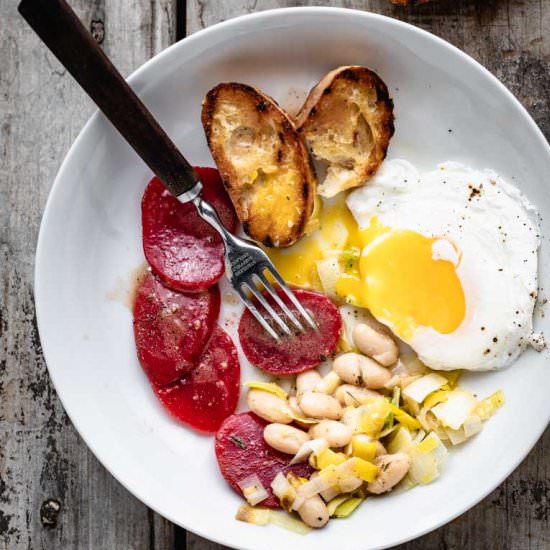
x=246, y=264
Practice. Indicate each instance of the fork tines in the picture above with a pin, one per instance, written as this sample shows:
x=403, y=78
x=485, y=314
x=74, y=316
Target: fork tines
x=252, y=285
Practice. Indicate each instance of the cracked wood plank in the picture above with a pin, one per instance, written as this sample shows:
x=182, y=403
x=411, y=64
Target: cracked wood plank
x=512, y=39
x=53, y=492
x=43, y=463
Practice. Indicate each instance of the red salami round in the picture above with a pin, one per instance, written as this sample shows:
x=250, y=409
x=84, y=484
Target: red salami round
x=182, y=249
x=299, y=352
x=241, y=452
x=171, y=328
x=208, y=394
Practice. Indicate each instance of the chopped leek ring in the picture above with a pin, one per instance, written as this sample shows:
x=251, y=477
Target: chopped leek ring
x=253, y=490
x=456, y=437
x=328, y=271
x=250, y=514
x=412, y=363
x=419, y=436
x=350, y=259
x=427, y=446
x=421, y=388
x=363, y=469
x=333, y=480
x=288, y=522
x=472, y=425
x=404, y=419
x=455, y=409
x=329, y=494
x=304, y=419
x=313, y=446
x=410, y=406
x=295, y=480
x=374, y=415
x=284, y=491
x=435, y=398
x=269, y=387
x=363, y=447
x=400, y=442
x=327, y=458
x=335, y=502
x=426, y=458
x=396, y=396
x=489, y=405
x=348, y=507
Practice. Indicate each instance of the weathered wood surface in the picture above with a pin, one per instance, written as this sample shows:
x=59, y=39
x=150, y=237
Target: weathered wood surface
x=42, y=459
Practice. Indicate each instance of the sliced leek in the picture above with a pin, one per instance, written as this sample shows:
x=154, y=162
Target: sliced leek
x=335, y=502
x=347, y=507
x=362, y=446
x=327, y=458
x=288, y=522
x=490, y=405
x=404, y=419
x=452, y=412
x=421, y=388
x=400, y=442
x=269, y=387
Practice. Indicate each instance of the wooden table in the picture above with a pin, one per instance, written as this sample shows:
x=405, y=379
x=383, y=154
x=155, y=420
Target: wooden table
x=53, y=492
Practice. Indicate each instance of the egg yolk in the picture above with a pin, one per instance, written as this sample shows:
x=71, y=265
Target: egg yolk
x=392, y=272
x=400, y=282
x=297, y=263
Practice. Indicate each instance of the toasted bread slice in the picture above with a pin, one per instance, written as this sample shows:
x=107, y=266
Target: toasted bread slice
x=347, y=120
x=263, y=161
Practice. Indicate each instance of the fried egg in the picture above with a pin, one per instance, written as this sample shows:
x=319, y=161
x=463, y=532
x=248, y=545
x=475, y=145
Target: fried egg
x=447, y=260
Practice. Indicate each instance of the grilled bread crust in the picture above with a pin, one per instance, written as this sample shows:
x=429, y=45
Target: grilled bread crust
x=347, y=121
x=263, y=162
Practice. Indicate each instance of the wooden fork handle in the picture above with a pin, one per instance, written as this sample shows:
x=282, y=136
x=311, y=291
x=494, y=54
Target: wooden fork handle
x=60, y=29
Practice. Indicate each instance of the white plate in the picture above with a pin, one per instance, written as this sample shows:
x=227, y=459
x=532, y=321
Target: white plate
x=447, y=107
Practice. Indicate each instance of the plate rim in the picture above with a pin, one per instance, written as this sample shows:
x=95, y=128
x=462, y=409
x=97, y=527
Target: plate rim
x=132, y=79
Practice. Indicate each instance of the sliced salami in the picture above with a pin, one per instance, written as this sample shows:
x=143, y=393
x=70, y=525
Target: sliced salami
x=208, y=394
x=300, y=351
x=242, y=452
x=181, y=248
x=171, y=328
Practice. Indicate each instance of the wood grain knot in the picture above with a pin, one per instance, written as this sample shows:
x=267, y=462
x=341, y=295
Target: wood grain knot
x=49, y=512
x=97, y=28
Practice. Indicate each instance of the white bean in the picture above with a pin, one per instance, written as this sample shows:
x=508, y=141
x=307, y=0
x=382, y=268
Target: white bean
x=375, y=375
x=360, y=370
x=348, y=394
x=381, y=347
x=269, y=407
x=307, y=380
x=391, y=470
x=348, y=368
x=380, y=449
x=314, y=512
x=335, y=433
x=286, y=439
x=320, y=405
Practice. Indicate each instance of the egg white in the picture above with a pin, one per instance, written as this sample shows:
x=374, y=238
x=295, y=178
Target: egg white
x=494, y=229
